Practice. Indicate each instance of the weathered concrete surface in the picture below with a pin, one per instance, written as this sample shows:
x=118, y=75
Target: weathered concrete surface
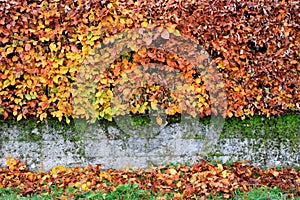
x=108, y=146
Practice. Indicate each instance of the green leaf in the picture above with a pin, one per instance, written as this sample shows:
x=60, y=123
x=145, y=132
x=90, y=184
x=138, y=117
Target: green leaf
x=27, y=96
x=89, y=36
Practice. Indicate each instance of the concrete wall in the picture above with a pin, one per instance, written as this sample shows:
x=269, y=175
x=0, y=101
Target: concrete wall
x=46, y=146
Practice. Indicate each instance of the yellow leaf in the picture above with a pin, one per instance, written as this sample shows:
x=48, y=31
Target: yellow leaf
x=73, y=69
x=289, y=95
x=99, y=93
x=60, y=61
x=3, y=54
x=220, y=166
x=48, y=30
x=258, y=97
x=9, y=50
x=55, y=79
x=220, y=66
x=109, y=93
x=13, y=82
x=55, y=65
x=177, y=33
x=29, y=82
x=70, y=55
x=85, y=49
x=225, y=173
x=153, y=105
x=17, y=101
x=95, y=38
x=58, y=169
x=15, y=113
x=109, y=6
x=11, y=77
x=122, y=21
x=43, y=39
x=172, y=171
x=19, y=117
x=68, y=120
x=104, y=81
x=236, y=89
x=80, y=37
x=179, y=195
x=6, y=83
x=19, y=49
x=198, y=80
x=52, y=47
x=64, y=70
x=10, y=161
x=43, y=116
x=84, y=186
x=77, y=184
x=248, y=112
x=42, y=80
x=144, y=24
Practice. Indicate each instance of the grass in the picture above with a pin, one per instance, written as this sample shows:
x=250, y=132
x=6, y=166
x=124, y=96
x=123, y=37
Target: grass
x=264, y=193
x=127, y=191
x=131, y=191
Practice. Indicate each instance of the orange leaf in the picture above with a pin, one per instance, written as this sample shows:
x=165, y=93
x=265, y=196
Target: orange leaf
x=159, y=120
x=4, y=40
x=5, y=115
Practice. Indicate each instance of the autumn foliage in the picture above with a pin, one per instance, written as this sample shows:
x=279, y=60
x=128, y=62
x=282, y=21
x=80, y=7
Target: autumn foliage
x=202, y=179
x=255, y=46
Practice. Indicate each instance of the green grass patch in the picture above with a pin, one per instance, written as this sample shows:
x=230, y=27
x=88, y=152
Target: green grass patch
x=131, y=191
x=127, y=191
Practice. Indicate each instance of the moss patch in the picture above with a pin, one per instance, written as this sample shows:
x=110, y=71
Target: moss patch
x=283, y=127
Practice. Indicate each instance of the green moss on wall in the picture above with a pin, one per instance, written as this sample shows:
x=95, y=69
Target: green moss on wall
x=283, y=127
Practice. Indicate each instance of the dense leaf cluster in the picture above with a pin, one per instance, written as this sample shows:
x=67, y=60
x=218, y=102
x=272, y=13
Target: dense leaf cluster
x=202, y=179
x=255, y=46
